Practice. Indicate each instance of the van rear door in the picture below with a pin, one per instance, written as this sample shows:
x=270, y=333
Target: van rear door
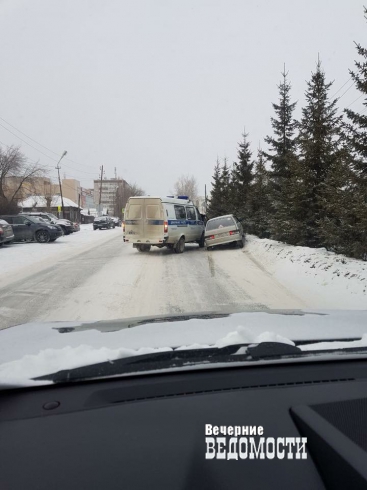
x=154, y=219
x=134, y=227
x=144, y=220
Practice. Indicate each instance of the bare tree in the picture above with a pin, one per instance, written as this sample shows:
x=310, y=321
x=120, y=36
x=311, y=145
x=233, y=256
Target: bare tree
x=15, y=168
x=135, y=190
x=123, y=193
x=186, y=185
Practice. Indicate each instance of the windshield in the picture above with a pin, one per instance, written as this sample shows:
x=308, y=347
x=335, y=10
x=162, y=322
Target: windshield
x=199, y=158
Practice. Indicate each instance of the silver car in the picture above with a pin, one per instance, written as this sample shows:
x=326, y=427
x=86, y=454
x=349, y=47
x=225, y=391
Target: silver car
x=224, y=229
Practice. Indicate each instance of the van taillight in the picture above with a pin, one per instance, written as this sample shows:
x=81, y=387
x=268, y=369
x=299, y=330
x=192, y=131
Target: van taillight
x=166, y=227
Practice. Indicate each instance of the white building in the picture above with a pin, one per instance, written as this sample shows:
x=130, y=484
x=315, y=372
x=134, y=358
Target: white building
x=107, y=194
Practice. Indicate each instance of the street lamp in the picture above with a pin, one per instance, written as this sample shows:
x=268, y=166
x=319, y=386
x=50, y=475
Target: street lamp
x=58, y=172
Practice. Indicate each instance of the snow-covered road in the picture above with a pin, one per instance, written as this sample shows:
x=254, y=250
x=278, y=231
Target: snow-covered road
x=96, y=276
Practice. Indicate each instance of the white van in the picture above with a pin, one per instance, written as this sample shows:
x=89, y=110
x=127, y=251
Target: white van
x=162, y=222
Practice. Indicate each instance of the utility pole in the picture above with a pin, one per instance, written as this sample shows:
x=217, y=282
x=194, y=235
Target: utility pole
x=58, y=173
x=100, y=192
x=206, y=206
x=79, y=206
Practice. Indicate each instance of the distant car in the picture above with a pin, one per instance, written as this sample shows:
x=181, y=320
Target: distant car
x=103, y=222
x=117, y=221
x=66, y=225
x=26, y=228
x=224, y=229
x=6, y=232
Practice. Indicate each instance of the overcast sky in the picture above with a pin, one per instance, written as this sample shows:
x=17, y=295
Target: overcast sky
x=160, y=88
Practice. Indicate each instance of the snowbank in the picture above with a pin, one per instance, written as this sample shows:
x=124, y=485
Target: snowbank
x=325, y=279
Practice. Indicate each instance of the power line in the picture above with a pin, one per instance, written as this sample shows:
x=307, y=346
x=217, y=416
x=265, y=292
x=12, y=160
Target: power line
x=346, y=91
x=44, y=165
x=355, y=100
x=19, y=131
x=38, y=143
x=48, y=156
x=341, y=88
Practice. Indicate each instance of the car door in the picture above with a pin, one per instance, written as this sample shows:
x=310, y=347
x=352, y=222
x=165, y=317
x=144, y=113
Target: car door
x=179, y=226
x=22, y=228
x=193, y=227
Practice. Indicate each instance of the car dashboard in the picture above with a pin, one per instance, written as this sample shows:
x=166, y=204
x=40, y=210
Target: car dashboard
x=171, y=430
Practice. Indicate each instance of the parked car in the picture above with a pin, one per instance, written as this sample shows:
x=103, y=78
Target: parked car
x=37, y=218
x=6, y=232
x=28, y=228
x=224, y=229
x=66, y=225
x=117, y=221
x=76, y=226
x=103, y=222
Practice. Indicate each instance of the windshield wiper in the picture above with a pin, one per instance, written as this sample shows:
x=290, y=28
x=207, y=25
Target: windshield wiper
x=180, y=358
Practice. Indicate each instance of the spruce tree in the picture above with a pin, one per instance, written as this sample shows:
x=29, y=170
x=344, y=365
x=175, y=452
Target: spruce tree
x=215, y=199
x=358, y=121
x=226, y=188
x=241, y=178
x=343, y=228
x=219, y=202
x=319, y=135
x=283, y=143
x=357, y=140
x=260, y=199
x=281, y=154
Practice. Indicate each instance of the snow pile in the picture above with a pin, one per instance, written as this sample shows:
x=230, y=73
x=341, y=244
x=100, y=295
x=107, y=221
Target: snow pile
x=324, y=279
x=336, y=345
x=246, y=336
x=53, y=360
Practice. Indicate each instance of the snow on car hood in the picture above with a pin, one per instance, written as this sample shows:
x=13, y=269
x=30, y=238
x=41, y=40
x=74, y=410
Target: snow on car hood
x=36, y=349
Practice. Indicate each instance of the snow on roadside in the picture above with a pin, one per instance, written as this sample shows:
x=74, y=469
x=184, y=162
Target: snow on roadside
x=325, y=279
x=26, y=256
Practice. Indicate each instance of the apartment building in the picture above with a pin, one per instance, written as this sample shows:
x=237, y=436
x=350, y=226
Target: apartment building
x=39, y=186
x=107, y=193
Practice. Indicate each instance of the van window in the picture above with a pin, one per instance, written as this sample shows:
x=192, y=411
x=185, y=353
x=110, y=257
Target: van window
x=135, y=211
x=180, y=212
x=153, y=211
x=191, y=213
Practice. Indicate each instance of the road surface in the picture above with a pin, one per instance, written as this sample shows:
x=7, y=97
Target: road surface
x=109, y=279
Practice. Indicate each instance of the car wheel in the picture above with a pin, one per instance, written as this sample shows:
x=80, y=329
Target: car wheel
x=241, y=243
x=94, y=228
x=201, y=242
x=180, y=246
x=52, y=239
x=1, y=244
x=210, y=248
x=144, y=248
x=43, y=236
